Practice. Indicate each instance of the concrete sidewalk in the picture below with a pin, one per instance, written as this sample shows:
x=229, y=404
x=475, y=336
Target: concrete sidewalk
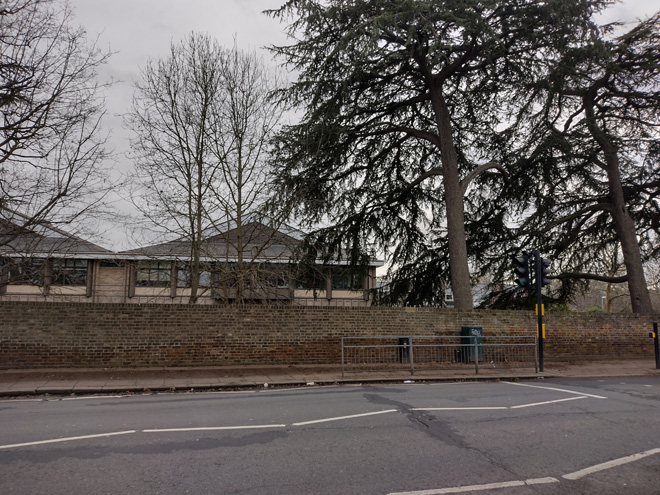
x=97, y=381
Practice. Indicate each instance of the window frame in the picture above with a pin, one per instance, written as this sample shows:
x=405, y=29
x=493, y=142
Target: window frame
x=69, y=272
x=158, y=273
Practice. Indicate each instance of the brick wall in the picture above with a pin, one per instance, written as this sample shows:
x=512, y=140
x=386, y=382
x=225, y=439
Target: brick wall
x=105, y=335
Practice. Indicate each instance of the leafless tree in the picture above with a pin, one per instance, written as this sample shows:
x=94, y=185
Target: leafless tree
x=202, y=120
x=51, y=147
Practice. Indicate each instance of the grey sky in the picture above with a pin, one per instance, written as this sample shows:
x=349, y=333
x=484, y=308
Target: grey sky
x=141, y=29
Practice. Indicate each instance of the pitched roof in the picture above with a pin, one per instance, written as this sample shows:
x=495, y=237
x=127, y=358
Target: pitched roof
x=19, y=236
x=258, y=241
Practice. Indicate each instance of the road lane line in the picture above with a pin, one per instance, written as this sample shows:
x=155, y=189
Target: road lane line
x=461, y=489
x=609, y=464
x=476, y=488
x=541, y=481
x=67, y=439
x=547, y=402
x=212, y=428
x=495, y=408
x=339, y=418
x=557, y=390
x=92, y=397
x=488, y=408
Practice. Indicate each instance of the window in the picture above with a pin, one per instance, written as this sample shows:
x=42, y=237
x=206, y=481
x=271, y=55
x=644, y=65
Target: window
x=183, y=277
x=343, y=279
x=311, y=280
x=25, y=272
x=153, y=274
x=69, y=272
x=273, y=275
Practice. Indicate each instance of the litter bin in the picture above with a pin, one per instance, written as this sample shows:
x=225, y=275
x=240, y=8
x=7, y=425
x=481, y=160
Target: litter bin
x=404, y=349
x=468, y=337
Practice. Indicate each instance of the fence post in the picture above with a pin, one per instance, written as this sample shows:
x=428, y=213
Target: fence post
x=412, y=365
x=476, y=354
x=342, y=357
x=536, y=354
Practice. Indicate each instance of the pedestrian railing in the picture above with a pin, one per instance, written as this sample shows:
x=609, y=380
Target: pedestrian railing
x=380, y=353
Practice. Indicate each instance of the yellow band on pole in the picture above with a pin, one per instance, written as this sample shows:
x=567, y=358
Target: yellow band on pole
x=537, y=330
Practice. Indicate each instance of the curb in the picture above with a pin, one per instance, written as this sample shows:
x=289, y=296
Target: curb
x=73, y=390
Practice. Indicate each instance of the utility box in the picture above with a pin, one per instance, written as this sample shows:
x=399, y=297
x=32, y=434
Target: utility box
x=469, y=337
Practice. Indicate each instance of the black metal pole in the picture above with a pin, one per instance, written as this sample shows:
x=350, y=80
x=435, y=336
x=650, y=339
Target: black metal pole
x=538, y=276
x=656, y=346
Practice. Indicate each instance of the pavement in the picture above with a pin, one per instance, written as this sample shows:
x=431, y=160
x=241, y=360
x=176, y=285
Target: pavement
x=79, y=381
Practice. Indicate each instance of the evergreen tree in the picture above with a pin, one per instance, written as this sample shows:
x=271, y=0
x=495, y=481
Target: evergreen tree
x=399, y=99
x=592, y=125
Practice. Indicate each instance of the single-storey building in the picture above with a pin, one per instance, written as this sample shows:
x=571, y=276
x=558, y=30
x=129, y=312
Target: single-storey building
x=252, y=264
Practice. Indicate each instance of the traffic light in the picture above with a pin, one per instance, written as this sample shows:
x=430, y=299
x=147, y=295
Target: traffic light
x=545, y=272
x=521, y=270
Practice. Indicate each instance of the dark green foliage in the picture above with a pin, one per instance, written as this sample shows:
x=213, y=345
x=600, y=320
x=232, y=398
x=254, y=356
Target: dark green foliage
x=401, y=103
x=586, y=181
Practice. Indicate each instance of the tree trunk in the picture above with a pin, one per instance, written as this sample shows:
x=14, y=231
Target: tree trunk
x=625, y=228
x=458, y=259
x=624, y=225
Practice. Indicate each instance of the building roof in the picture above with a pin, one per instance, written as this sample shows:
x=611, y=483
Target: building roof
x=260, y=242
x=19, y=236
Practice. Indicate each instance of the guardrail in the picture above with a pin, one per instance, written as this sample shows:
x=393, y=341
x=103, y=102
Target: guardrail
x=380, y=353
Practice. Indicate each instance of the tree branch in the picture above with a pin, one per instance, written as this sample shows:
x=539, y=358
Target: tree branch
x=590, y=276
x=481, y=169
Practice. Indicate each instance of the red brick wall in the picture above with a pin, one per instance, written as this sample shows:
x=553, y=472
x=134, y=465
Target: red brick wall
x=105, y=335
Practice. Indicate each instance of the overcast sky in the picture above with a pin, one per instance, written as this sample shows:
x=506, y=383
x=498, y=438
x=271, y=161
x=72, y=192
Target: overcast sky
x=137, y=30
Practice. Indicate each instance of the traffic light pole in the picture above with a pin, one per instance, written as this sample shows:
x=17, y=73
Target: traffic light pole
x=656, y=346
x=539, y=271
x=540, y=328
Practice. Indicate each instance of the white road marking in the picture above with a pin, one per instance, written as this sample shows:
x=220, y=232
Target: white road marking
x=67, y=439
x=476, y=488
x=541, y=481
x=556, y=390
x=339, y=418
x=610, y=464
x=95, y=397
x=490, y=408
x=547, y=402
x=212, y=428
x=495, y=408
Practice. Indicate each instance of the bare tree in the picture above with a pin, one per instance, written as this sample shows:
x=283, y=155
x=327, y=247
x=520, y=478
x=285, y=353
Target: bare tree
x=51, y=104
x=202, y=120
x=250, y=119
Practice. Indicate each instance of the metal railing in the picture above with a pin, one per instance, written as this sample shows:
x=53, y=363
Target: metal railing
x=380, y=353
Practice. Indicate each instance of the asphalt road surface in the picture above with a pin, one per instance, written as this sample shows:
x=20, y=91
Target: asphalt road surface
x=530, y=437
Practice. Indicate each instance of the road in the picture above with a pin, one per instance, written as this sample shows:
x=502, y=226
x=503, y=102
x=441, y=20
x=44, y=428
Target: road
x=530, y=437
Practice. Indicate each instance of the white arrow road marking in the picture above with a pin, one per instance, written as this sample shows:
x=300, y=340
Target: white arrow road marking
x=67, y=439
x=556, y=390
